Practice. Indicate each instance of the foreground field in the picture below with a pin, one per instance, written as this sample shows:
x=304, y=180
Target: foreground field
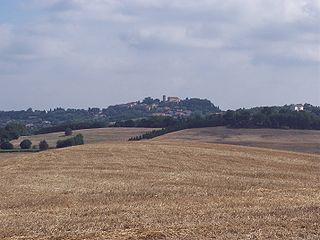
x=90, y=135
x=292, y=140
x=159, y=190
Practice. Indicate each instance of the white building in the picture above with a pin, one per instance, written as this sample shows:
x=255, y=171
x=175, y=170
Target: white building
x=298, y=107
x=173, y=99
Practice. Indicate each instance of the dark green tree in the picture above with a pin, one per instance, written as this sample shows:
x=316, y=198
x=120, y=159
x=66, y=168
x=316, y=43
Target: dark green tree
x=26, y=144
x=68, y=132
x=79, y=139
x=6, y=146
x=43, y=145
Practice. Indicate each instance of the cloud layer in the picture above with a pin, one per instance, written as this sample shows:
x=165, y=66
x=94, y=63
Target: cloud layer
x=77, y=53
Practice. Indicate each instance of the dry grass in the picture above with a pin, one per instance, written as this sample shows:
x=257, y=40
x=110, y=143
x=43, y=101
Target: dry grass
x=293, y=140
x=90, y=135
x=160, y=190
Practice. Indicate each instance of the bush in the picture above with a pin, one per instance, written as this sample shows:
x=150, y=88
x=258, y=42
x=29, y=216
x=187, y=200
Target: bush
x=6, y=146
x=68, y=132
x=26, y=144
x=43, y=145
x=77, y=140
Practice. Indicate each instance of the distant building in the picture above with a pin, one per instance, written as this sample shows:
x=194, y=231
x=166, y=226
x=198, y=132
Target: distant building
x=298, y=107
x=164, y=98
x=132, y=104
x=173, y=99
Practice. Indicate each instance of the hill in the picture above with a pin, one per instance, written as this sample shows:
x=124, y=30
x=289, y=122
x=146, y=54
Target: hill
x=90, y=135
x=173, y=107
x=292, y=140
x=160, y=190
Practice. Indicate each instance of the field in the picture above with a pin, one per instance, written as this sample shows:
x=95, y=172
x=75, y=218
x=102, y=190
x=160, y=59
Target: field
x=292, y=140
x=90, y=135
x=160, y=190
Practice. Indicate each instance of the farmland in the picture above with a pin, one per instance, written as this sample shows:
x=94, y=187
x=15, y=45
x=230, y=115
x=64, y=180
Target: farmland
x=90, y=135
x=292, y=140
x=160, y=190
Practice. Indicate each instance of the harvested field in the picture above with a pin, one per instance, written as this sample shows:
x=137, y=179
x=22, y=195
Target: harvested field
x=6, y=156
x=160, y=190
x=90, y=135
x=293, y=140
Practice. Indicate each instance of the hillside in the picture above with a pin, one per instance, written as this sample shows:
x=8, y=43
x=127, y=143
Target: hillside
x=160, y=190
x=90, y=135
x=292, y=140
x=172, y=107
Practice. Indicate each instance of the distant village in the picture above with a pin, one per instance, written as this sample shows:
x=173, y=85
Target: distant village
x=169, y=106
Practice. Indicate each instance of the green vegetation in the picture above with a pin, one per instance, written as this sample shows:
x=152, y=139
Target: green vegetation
x=43, y=145
x=171, y=115
x=149, y=106
x=12, y=131
x=151, y=122
x=72, y=126
x=6, y=146
x=26, y=144
x=68, y=132
x=76, y=140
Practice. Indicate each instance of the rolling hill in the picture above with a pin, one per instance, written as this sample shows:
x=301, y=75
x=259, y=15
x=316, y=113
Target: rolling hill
x=292, y=140
x=160, y=190
x=90, y=135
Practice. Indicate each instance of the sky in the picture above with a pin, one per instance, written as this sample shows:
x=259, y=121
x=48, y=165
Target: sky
x=81, y=53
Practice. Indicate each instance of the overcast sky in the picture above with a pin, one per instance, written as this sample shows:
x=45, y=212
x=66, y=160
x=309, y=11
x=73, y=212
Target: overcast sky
x=86, y=53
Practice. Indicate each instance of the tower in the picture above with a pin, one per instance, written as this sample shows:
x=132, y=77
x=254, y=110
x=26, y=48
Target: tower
x=164, y=98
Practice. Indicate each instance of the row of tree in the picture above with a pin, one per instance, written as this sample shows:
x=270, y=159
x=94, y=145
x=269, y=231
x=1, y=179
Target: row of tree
x=43, y=145
x=72, y=126
x=25, y=145
x=151, y=122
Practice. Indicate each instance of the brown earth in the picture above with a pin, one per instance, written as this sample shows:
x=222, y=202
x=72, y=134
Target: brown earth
x=291, y=140
x=160, y=190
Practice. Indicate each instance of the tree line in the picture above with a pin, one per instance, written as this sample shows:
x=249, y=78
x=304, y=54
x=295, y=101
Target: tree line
x=72, y=126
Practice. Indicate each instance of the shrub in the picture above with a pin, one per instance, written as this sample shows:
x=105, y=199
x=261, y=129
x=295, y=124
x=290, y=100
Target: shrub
x=76, y=140
x=68, y=132
x=65, y=143
x=26, y=144
x=6, y=146
x=43, y=145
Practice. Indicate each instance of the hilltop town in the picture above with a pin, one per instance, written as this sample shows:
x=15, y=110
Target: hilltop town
x=168, y=106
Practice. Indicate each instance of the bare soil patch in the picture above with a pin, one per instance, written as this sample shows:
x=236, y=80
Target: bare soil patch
x=292, y=140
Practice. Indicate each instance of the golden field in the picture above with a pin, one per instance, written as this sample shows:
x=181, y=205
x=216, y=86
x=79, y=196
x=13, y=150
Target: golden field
x=160, y=190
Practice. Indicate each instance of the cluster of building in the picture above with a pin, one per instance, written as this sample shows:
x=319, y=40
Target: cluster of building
x=298, y=107
x=169, y=106
x=170, y=99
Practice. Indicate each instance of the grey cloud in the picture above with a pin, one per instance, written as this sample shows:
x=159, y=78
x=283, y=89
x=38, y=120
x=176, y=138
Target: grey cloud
x=107, y=51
